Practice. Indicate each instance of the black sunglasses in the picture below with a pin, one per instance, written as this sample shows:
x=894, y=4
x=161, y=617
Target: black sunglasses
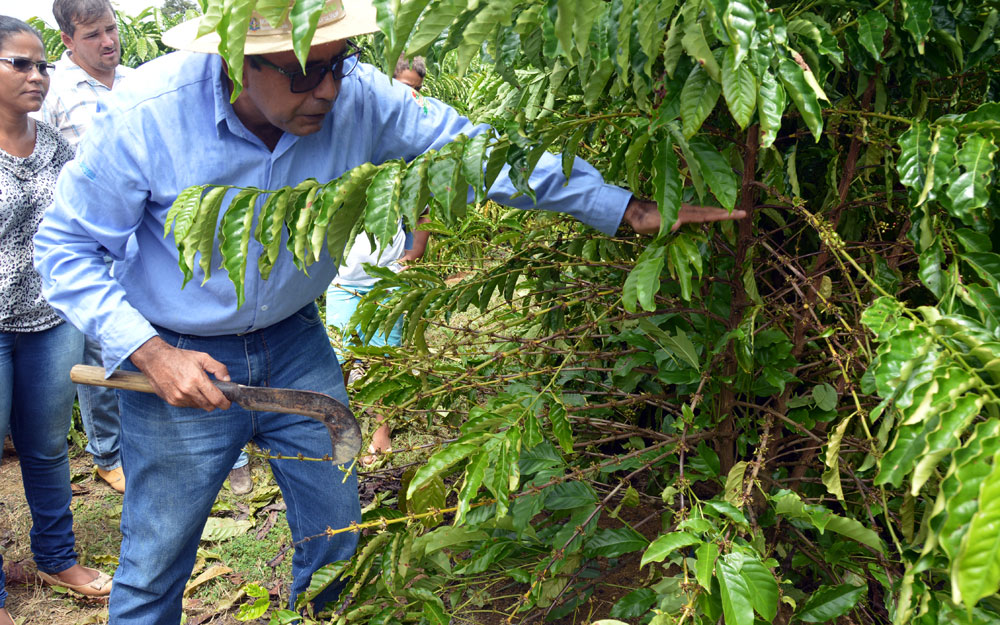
x=301, y=82
x=23, y=65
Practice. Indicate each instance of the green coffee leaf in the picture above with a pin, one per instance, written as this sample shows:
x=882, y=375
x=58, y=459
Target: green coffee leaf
x=200, y=237
x=802, y=94
x=427, y=498
x=719, y=175
x=976, y=571
x=561, y=428
x=698, y=98
x=706, y=554
x=945, y=437
x=651, y=27
x=668, y=183
x=614, y=542
x=917, y=20
x=958, y=494
x=404, y=21
x=739, y=87
x=914, y=154
x=347, y=205
x=830, y=602
x=971, y=189
x=871, y=32
x=789, y=504
x=569, y=495
x=696, y=45
x=565, y=19
x=986, y=264
x=733, y=491
x=182, y=212
x=474, y=475
x=737, y=604
x=437, y=18
x=238, y=13
x=643, y=282
x=763, y=587
x=479, y=28
x=234, y=234
x=633, y=605
x=740, y=21
x=661, y=548
x=383, y=211
x=771, y=103
x=439, y=463
x=825, y=396
x=304, y=17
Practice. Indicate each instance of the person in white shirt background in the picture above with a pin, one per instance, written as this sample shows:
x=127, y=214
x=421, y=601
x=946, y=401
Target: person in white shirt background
x=352, y=281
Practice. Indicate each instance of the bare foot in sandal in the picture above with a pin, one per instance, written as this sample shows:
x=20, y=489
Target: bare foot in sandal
x=381, y=444
x=6, y=618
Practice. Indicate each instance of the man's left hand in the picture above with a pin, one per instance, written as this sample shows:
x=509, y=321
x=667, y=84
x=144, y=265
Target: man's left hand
x=644, y=217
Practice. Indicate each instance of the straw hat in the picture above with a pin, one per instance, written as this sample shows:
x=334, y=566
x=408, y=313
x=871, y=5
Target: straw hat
x=337, y=22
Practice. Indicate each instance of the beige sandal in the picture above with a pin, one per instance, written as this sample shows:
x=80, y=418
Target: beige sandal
x=374, y=455
x=100, y=586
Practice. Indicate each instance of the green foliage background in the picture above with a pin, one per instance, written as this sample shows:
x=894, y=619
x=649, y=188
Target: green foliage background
x=802, y=405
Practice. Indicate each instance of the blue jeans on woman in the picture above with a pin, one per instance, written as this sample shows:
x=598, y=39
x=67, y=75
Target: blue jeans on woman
x=176, y=459
x=36, y=402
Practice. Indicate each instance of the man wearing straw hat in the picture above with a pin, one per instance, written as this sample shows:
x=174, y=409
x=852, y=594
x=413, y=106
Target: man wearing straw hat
x=171, y=126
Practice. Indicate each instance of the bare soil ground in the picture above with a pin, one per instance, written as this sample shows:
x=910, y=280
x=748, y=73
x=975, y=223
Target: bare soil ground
x=236, y=561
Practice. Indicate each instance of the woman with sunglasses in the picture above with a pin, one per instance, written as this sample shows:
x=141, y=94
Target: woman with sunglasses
x=37, y=348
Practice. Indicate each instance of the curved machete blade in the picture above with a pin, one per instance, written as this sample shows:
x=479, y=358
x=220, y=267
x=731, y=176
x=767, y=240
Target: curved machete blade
x=345, y=434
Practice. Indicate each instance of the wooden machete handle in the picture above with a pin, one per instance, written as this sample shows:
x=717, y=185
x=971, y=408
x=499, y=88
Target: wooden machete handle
x=125, y=380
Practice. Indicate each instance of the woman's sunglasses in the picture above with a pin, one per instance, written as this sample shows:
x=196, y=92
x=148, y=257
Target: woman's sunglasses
x=23, y=65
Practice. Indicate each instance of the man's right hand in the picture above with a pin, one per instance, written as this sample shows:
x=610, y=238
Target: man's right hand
x=179, y=376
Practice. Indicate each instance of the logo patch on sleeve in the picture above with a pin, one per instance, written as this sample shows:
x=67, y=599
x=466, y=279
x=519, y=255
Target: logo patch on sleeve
x=421, y=102
x=88, y=172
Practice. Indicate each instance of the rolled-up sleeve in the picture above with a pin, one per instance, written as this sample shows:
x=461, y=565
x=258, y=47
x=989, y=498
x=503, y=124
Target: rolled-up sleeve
x=99, y=201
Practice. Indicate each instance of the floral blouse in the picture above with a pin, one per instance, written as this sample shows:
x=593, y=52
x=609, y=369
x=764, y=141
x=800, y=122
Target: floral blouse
x=26, y=186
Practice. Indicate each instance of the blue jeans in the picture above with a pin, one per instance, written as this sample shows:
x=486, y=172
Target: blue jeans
x=99, y=413
x=341, y=302
x=36, y=402
x=176, y=459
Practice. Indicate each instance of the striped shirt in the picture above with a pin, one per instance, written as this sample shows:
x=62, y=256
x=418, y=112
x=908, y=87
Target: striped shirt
x=72, y=99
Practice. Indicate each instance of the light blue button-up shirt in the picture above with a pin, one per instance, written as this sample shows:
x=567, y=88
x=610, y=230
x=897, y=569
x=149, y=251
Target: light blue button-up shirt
x=171, y=126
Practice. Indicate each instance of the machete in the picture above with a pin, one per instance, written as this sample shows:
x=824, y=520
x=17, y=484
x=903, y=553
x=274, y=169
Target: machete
x=345, y=435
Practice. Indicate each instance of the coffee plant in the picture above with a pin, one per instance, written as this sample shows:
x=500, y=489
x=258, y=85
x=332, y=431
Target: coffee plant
x=793, y=418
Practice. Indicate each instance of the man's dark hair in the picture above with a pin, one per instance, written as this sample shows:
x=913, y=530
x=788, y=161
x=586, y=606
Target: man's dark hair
x=10, y=26
x=416, y=65
x=70, y=12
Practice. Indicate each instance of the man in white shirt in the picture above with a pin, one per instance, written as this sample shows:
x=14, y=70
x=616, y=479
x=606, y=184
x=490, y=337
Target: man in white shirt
x=87, y=71
x=352, y=281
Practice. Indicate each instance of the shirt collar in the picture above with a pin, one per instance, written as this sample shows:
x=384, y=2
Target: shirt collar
x=224, y=113
x=68, y=66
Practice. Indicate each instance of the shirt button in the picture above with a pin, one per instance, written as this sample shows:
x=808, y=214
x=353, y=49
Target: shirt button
x=264, y=307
